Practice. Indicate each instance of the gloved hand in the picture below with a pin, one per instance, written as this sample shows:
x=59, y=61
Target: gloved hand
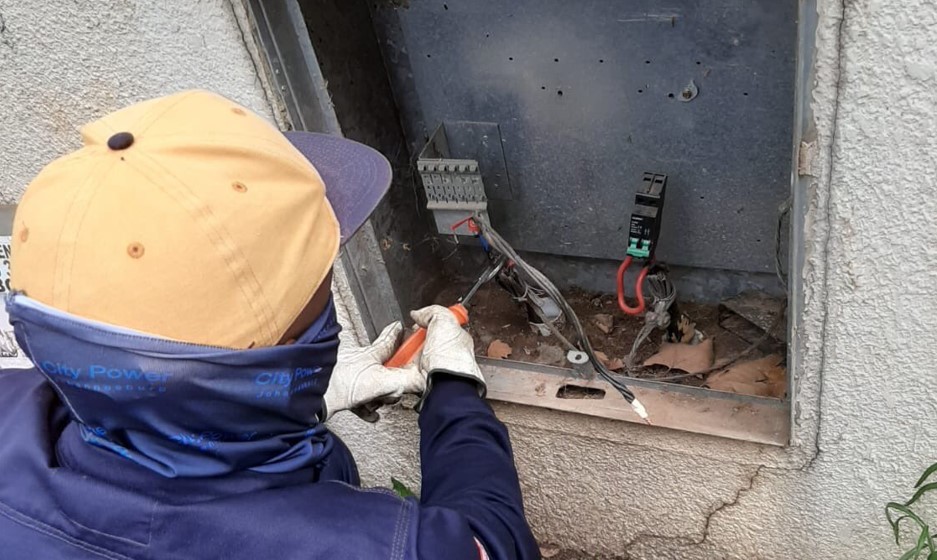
x=362, y=384
x=448, y=348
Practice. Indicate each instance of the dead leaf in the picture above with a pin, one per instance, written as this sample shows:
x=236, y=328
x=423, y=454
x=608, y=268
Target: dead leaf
x=547, y=551
x=604, y=322
x=684, y=357
x=611, y=363
x=498, y=350
x=687, y=329
x=615, y=364
x=764, y=377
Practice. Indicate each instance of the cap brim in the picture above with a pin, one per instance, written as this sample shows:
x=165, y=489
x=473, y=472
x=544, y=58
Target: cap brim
x=356, y=176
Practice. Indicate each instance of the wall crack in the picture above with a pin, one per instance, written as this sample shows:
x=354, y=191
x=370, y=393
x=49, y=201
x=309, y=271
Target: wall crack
x=703, y=537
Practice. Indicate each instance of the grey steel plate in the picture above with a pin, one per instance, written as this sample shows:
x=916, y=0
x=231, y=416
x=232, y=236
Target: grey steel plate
x=581, y=95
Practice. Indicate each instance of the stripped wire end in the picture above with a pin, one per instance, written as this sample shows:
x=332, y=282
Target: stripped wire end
x=640, y=411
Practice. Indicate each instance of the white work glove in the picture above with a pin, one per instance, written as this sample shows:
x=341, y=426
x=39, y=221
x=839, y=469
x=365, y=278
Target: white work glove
x=448, y=348
x=362, y=384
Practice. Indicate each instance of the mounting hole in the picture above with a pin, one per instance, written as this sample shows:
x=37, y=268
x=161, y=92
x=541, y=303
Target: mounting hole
x=487, y=35
x=543, y=87
x=698, y=63
x=647, y=62
x=556, y=60
x=577, y=392
x=745, y=93
x=559, y=92
x=601, y=61
x=510, y=58
x=429, y=56
x=640, y=91
x=702, y=198
x=445, y=6
x=670, y=95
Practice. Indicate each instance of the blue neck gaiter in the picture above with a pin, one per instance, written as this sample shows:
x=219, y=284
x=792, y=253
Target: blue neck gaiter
x=186, y=410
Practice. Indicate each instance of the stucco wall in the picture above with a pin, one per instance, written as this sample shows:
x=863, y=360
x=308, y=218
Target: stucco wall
x=866, y=393
x=866, y=397
x=63, y=64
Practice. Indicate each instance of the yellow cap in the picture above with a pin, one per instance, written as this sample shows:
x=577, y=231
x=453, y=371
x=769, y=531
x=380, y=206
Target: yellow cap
x=187, y=217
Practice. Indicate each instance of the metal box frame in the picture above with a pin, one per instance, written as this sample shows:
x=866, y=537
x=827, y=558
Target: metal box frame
x=280, y=26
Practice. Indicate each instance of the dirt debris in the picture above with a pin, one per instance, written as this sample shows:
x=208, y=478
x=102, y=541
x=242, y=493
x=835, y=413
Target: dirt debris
x=494, y=315
x=604, y=322
x=550, y=355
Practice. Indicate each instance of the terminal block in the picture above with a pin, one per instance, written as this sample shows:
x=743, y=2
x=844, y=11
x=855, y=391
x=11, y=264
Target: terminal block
x=646, y=216
x=454, y=188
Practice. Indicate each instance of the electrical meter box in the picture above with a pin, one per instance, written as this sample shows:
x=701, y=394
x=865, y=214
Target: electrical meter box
x=545, y=117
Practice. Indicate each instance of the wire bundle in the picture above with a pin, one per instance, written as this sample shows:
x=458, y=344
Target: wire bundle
x=540, y=281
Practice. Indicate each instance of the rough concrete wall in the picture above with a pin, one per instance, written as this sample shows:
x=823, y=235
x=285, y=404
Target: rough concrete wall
x=63, y=64
x=866, y=405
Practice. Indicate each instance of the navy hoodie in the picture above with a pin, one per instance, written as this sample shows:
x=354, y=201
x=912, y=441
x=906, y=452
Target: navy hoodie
x=76, y=485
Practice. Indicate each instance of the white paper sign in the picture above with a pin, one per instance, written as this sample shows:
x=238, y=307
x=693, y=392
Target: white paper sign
x=10, y=354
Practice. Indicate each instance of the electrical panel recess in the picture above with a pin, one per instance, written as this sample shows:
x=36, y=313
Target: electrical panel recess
x=545, y=136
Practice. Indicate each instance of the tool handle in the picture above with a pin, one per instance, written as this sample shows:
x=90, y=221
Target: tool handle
x=414, y=343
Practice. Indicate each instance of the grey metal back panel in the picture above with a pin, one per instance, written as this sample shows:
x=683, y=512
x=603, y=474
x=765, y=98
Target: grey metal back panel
x=587, y=97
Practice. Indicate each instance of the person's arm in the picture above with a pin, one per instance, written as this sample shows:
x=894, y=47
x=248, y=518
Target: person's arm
x=467, y=462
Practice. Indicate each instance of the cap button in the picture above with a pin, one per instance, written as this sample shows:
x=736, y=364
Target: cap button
x=120, y=141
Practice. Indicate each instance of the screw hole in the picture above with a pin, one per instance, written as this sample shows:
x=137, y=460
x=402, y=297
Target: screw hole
x=640, y=91
x=745, y=93
x=510, y=58
x=601, y=61
x=559, y=92
x=556, y=60
x=698, y=63
x=429, y=56
x=647, y=62
x=543, y=87
x=670, y=95
x=487, y=35
x=702, y=198
x=445, y=6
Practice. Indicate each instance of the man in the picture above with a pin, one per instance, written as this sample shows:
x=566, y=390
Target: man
x=172, y=283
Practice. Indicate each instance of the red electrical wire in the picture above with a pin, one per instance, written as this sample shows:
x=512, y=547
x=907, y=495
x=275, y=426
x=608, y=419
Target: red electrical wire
x=638, y=288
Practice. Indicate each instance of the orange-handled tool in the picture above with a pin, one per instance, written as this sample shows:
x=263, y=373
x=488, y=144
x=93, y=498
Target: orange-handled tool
x=414, y=343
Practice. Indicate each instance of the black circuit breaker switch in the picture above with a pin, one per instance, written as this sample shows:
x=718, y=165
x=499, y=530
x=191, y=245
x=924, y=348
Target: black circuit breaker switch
x=646, y=216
